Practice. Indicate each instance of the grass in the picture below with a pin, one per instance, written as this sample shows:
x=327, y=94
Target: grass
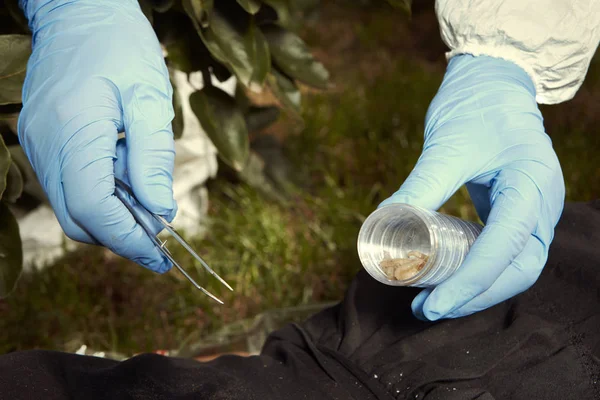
x=358, y=144
x=263, y=249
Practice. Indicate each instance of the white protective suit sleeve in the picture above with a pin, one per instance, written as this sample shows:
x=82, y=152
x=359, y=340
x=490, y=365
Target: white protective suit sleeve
x=552, y=40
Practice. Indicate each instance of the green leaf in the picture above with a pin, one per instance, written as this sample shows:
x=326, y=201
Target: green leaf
x=197, y=45
x=242, y=99
x=253, y=174
x=15, y=51
x=242, y=48
x=179, y=57
x=251, y=6
x=11, y=179
x=31, y=185
x=178, y=118
x=5, y=162
x=292, y=56
x=199, y=11
x=185, y=50
x=253, y=171
x=283, y=10
x=223, y=122
x=278, y=169
x=14, y=184
x=11, y=251
x=161, y=5
x=405, y=5
x=286, y=92
x=209, y=40
x=259, y=118
x=190, y=55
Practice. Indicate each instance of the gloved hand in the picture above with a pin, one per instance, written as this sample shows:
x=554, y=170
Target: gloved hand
x=484, y=128
x=97, y=69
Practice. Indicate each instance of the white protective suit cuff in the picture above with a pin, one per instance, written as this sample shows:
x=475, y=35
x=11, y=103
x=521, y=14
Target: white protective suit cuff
x=515, y=55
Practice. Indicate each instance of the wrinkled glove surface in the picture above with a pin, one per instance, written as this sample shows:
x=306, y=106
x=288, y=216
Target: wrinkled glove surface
x=484, y=128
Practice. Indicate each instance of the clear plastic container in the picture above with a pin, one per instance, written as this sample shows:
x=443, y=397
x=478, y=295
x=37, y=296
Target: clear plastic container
x=392, y=231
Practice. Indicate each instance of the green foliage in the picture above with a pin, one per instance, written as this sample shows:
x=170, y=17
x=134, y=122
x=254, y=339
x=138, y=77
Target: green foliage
x=283, y=10
x=14, y=53
x=286, y=91
x=229, y=37
x=30, y=183
x=198, y=10
x=258, y=118
x=251, y=6
x=402, y=4
x=5, y=162
x=14, y=184
x=239, y=44
x=223, y=122
x=292, y=56
x=11, y=253
x=160, y=5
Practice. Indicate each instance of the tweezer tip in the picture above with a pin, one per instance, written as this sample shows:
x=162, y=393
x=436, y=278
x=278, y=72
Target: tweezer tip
x=215, y=298
x=224, y=283
x=186, y=245
x=209, y=294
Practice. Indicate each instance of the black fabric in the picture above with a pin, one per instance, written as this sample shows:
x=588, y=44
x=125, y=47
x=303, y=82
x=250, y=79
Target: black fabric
x=542, y=344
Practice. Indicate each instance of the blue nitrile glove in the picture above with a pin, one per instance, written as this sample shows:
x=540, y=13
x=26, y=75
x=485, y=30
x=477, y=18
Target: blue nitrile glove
x=484, y=128
x=97, y=69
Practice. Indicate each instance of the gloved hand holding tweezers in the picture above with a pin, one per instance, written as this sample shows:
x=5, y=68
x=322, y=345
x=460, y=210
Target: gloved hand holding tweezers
x=96, y=69
x=83, y=86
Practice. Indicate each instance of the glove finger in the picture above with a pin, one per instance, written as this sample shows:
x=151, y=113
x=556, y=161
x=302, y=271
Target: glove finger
x=435, y=178
x=56, y=197
x=417, y=304
x=512, y=219
x=120, y=167
x=520, y=275
x=88, y=181
x=148, y=114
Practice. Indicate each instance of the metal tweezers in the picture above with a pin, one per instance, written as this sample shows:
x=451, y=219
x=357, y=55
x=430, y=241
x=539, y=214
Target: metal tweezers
x=122, y=191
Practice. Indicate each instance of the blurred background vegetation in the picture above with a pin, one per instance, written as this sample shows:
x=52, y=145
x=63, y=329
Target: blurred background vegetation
x=358, y=143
